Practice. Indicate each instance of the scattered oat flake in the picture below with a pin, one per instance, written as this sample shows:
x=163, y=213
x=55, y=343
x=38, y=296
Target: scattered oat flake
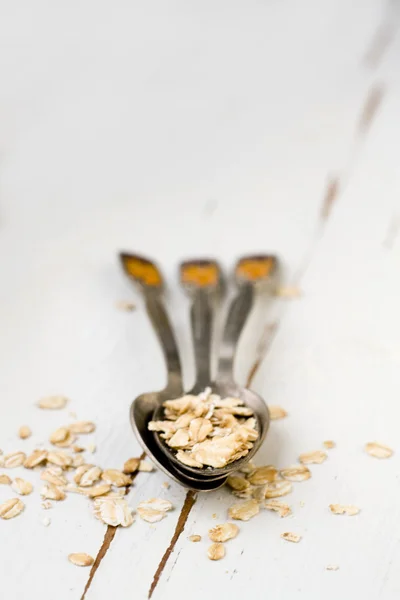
x=80, y=472
x=60, y=435
x=91, y=448
x=24, y=432
x=263, y=475
x=131, y=465
x=4, y=479
x=46, y=505
x=378, y=450
x=77, y=461
x=195, y=538
x=244, y=511
x=237, y=483
x=281, y=508
x=22, y=487
x=125, y=305
x=36, y=458
x=78, y=449
x=46, y=521
x=277, y=412
x=216, y=551
x=14, y=459
x=332, y=567
x=52, y=492
x=288, y=291
x=291, y=537
x=313, y=458
x=59, y=458
x=344, y=509
x=82, y=427
x=329, y=444
x=11, y=508
x=53, y=402
x=115, y=477
x=96, y=490
x=278, y=488
x=90, y=476
x=153, y=510
x=81, y=559
x=296, y=473
x=166, y=485
x=247, y=467
x=223, y=533
x=145, y=466
x=113, y=511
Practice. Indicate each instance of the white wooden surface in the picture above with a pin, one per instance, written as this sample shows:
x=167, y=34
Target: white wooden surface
x=188, y=128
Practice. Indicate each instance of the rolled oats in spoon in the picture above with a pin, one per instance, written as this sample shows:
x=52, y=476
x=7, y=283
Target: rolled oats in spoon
x=206, y=430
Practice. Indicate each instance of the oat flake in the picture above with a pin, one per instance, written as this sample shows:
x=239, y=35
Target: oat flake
x=24, y=432
x=329, y=444
x=52, y=492
x=115, y=477
x=145, y=466
x=244, y=511
x=281, y=508
x=278, y=488
x=223, y=533
x=14, y=459
x=291, y=537
x=81, y=427
x=36, y=458
x=154, y=510
x=195, y=538
x=113, y=511
x=378, y=450
x=53, y=402
x=216, y=551
x=131, y=465
x=81, y=559
x=263, y=475
x=277, y=412
x=22, y=487
x=344, y=509
x=11, y=508
x=313, y=458
x=296, y=473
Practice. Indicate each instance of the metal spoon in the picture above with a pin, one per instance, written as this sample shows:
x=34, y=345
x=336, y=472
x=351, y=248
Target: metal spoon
x=202, y=280
x=148, y=276
x=250, y=273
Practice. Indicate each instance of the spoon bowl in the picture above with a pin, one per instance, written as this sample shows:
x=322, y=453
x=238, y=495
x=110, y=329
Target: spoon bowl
x=229, y=389
x=141, y=412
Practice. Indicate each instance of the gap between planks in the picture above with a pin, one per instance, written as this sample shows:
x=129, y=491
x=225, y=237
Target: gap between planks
x=108, y=538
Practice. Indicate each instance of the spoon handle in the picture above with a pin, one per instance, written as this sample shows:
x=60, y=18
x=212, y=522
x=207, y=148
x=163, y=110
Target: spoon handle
x=201, y=316
x=239, y=311
x=162, y=326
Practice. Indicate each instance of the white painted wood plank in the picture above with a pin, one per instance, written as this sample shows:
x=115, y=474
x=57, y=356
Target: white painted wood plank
x=173, y=132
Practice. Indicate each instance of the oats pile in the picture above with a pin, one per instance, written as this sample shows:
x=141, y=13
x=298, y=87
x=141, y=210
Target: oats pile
x=62, y=469
x=206, y=430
